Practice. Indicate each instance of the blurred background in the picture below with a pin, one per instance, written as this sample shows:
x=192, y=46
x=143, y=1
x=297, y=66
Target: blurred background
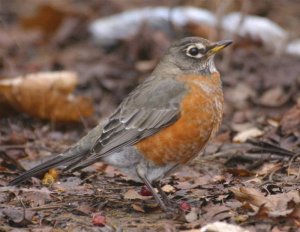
x=114, y=45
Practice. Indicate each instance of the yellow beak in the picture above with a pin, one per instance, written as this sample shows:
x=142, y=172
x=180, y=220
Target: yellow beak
x=218, y=46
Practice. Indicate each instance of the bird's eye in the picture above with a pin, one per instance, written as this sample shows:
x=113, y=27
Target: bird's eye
x=193, y=51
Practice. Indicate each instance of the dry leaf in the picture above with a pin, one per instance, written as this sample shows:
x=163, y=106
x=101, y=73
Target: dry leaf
x=36, y=197
x=50, y=177
x=290, y=122
x=192, y=215
x=47, y=18
x=252, y=196
x=276, y=205
x=46, y=95
x=138, y=208
x=239, y=172
x=268, y=168
x=247, y=134
x=17, y=216
x=239, y=95
x=274, y=97
x=168, y=188
x=131, y=194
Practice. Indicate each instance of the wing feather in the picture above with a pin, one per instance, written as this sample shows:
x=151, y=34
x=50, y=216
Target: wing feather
x=152, y=106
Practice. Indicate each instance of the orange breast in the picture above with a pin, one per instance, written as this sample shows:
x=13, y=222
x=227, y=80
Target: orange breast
x=201, y=114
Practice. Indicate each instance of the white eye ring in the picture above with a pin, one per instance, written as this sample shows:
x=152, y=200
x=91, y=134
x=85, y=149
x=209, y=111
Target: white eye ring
x=195, y=50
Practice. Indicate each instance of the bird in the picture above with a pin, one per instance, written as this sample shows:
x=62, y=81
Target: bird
x=161, y=125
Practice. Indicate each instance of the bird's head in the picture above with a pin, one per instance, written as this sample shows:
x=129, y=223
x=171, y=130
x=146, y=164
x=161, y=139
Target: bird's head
x=192, y=55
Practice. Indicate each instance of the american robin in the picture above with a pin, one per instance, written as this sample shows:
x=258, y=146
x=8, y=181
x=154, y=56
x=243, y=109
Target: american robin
x=161, y=125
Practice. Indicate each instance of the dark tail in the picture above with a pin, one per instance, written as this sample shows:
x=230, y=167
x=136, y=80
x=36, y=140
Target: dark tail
x=74, y=153
x=59, y=160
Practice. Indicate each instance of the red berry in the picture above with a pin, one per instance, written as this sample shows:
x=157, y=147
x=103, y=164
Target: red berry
x=145, y=192
x=184, y=206
x=99, y=219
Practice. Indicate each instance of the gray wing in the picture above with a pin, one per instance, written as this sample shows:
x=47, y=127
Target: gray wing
x=153, y=105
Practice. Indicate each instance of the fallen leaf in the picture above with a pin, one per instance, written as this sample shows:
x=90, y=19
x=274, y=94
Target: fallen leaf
x=240, y=95
x=47, y=18
x=219, y=179
x=138, y=208
x=241, y=218
x=296, y=212
x=290, y=122
x=18, y=217
x=273, y=122
x=84, y=208
x=240, y=127
x=73, y=184
x=50, y=177
x=276, y=205
x=252, y=196
x=168, y=188
x=131, y=194
x=184, y=185
x=36, y=197
x=268, y=168
x=239, y=172
x=45, y=94
x=274, y=97
x=215, y=212
x=16, y=138
x=192, y=215
x=242, y=137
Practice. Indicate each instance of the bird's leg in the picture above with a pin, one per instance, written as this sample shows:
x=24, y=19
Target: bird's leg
x=142, y=175
x=163, y=195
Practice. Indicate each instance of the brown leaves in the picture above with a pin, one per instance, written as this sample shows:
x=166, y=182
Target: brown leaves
x=18, y=217
x=46, y=95
x=271, y=206
x=274, y=97
x=131, y=194
x=52, y=18
x=47, y=18
x=290, y=122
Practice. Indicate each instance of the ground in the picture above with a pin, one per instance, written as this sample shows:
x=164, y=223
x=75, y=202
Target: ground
x=247, y=176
